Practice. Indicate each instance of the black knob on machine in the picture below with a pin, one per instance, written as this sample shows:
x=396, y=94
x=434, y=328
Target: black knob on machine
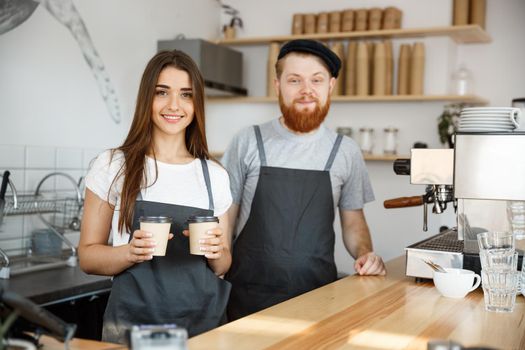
x=402, y=166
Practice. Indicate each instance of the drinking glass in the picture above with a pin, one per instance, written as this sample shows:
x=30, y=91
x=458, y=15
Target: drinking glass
x=499, y=289
x=495, y=260
x=496, y=241
x=516, y=216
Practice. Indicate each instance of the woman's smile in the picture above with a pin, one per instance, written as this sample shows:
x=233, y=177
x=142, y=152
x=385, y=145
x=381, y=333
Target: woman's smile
x=172, y=118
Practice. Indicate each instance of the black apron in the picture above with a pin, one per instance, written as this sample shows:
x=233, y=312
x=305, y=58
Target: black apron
x=177, y=288
x=286, y=247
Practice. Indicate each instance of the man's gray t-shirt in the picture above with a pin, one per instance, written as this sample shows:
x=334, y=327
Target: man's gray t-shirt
x=351, y=187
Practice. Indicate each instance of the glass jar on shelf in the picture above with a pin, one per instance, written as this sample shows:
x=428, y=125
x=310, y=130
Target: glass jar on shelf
x=462, y=81
x=390, y=140
x=366, y=140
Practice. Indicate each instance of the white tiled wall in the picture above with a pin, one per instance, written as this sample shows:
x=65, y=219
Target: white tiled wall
x=28, y=165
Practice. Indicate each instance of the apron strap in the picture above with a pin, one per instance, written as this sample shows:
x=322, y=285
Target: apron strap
x=333, y=153
x=206, y=173
x=260, y=145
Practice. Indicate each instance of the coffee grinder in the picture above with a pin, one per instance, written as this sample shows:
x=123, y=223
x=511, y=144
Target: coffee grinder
x=477, y=178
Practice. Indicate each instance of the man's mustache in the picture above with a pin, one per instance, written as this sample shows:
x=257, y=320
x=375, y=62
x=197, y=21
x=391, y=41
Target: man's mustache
x=304, y=99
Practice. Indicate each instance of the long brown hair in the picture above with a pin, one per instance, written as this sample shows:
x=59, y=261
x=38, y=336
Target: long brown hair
x=140, y=137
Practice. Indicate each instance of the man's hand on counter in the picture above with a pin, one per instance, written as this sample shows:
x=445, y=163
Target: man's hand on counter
x=370, y=264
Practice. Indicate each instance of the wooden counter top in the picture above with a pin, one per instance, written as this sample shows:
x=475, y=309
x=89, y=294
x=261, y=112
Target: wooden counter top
x=391, y=312
x=369, y=313
x=79, y=344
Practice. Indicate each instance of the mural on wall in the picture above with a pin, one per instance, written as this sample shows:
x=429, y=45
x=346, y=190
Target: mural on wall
x=15, y=12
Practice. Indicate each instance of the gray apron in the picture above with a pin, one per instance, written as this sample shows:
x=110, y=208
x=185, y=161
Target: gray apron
x=177, y=288
x=286, y=247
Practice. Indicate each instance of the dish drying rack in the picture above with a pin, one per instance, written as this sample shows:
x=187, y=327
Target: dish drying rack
x=58, y=212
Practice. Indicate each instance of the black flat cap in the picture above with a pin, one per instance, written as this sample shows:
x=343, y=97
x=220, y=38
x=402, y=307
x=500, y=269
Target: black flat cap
x=315, y=48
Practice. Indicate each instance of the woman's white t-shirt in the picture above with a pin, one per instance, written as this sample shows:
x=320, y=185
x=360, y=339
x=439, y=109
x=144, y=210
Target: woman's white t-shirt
x=180, y=184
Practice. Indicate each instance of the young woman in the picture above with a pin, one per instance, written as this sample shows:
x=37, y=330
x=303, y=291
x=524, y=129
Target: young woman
x=161, y=169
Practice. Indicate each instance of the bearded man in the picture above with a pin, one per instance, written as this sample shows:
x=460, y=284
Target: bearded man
x=287, y=177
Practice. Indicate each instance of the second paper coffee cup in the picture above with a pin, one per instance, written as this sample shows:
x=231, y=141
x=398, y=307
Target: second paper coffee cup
x=159, y=227
x=198, y=226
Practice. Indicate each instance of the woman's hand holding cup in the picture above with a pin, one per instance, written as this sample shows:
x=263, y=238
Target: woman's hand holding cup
x=211, y=245
x=142, y=246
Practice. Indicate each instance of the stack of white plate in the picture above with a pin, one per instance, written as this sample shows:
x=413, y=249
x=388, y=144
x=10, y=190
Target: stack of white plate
x=489, y=119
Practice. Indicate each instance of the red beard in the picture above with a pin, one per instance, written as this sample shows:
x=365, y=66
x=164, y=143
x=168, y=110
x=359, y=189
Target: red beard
x=304, y=120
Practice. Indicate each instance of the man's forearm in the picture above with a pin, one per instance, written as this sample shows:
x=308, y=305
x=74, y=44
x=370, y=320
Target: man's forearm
x=357, y=242
x=356, y=235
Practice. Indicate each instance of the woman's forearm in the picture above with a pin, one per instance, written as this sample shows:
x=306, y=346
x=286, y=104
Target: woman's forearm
x=101, y=259
x=222, y=265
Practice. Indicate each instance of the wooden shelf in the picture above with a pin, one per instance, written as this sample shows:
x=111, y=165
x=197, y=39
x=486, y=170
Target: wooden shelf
x=383, y=157
x=368, y=157
x=466, y=34
x=468, y=99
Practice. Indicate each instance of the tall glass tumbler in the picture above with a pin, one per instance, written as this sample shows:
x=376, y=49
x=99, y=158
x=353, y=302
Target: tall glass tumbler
x=499, y=289
x=503, y=261
x=496, y=241
x=516, y=217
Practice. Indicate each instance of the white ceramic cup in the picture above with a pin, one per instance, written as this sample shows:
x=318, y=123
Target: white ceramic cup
x=456, y=283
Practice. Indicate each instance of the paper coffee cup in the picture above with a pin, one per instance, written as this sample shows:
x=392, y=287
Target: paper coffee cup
x=159, y=227
x=198, y=226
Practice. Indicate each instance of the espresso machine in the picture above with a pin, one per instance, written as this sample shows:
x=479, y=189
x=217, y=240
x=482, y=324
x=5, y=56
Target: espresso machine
x=476, y=179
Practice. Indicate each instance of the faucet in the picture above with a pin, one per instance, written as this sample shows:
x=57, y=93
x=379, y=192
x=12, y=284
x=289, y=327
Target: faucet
x=4, y=268
x=72, y=260
x=15, y=199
